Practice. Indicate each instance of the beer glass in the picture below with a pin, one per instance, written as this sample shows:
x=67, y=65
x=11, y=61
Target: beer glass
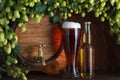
x=71, y=39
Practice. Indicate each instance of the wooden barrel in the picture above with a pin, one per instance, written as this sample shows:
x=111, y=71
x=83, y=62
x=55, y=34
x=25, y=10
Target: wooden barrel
x=44, y=33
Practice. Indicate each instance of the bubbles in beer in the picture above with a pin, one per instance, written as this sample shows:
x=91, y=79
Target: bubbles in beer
x=71, y=25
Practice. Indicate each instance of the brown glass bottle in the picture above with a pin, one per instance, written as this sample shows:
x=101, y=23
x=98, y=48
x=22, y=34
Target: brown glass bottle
x=87, y=54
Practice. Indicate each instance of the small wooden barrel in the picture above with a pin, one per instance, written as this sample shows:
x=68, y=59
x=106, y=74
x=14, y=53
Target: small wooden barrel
x=45, y=33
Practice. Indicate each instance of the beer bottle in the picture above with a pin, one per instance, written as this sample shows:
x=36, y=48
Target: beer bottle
x=87, y=54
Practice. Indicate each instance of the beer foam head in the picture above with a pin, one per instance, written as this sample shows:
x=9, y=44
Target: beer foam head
x=71, y=25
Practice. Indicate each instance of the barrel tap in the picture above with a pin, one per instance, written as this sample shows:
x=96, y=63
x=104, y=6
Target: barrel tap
x=40, y=58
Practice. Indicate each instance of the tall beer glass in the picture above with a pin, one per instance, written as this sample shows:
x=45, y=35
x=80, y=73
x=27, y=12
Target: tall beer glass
x=71, y=39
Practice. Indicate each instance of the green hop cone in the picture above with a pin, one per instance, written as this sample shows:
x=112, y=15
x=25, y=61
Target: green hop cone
x=13, y=18
x=32, y=15
x=69, y=14
x=31, y=4
x=26, y=71
x=71, y=11
x=112, y=2
x=76, y=11
x=45, y=2
x=51, y=14
x=11, y=3
x=20, y=24
x=2, y=36
x=15, y=61
x=1, y=44
x=13, y=45
x=56, y=4
x=1, y=29
x=8, y=63
x=23, y=28
x=25, y=18
x=10, y=60
x=118, y=40
x=96, y=14
x=10, y=36
x=63, y=3
x=102, y=0
x=16, y=14
x=117, y=19
x=65, y=17
x=5, y=42
x=38, y=17
x=83, y=14
x=4, y=21
x=91, y=1
x=7, y=48
x=15, y=38
x=118, y=5
x=7, y=28
x=23, y=76
x=7, y=9
x=10, y=15
x=102, y=18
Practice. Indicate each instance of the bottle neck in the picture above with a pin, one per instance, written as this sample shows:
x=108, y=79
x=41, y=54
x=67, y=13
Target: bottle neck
x=87, y=34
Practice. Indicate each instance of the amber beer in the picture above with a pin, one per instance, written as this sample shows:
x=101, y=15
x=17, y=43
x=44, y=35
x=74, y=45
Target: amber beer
x=87, y=54
x=71, y=38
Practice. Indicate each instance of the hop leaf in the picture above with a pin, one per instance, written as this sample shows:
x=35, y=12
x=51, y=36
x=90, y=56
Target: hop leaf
x=40, y=7
x=17, y=49
x=2, y=4
x=56, y=19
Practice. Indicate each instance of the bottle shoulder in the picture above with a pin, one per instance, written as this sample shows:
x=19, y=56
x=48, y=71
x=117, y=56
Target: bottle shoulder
x=88, y=47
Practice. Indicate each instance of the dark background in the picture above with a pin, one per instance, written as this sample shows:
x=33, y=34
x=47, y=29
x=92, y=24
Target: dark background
x=107, y=52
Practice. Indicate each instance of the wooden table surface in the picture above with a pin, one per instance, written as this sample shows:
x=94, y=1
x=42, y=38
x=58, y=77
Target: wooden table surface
x=100, y=76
